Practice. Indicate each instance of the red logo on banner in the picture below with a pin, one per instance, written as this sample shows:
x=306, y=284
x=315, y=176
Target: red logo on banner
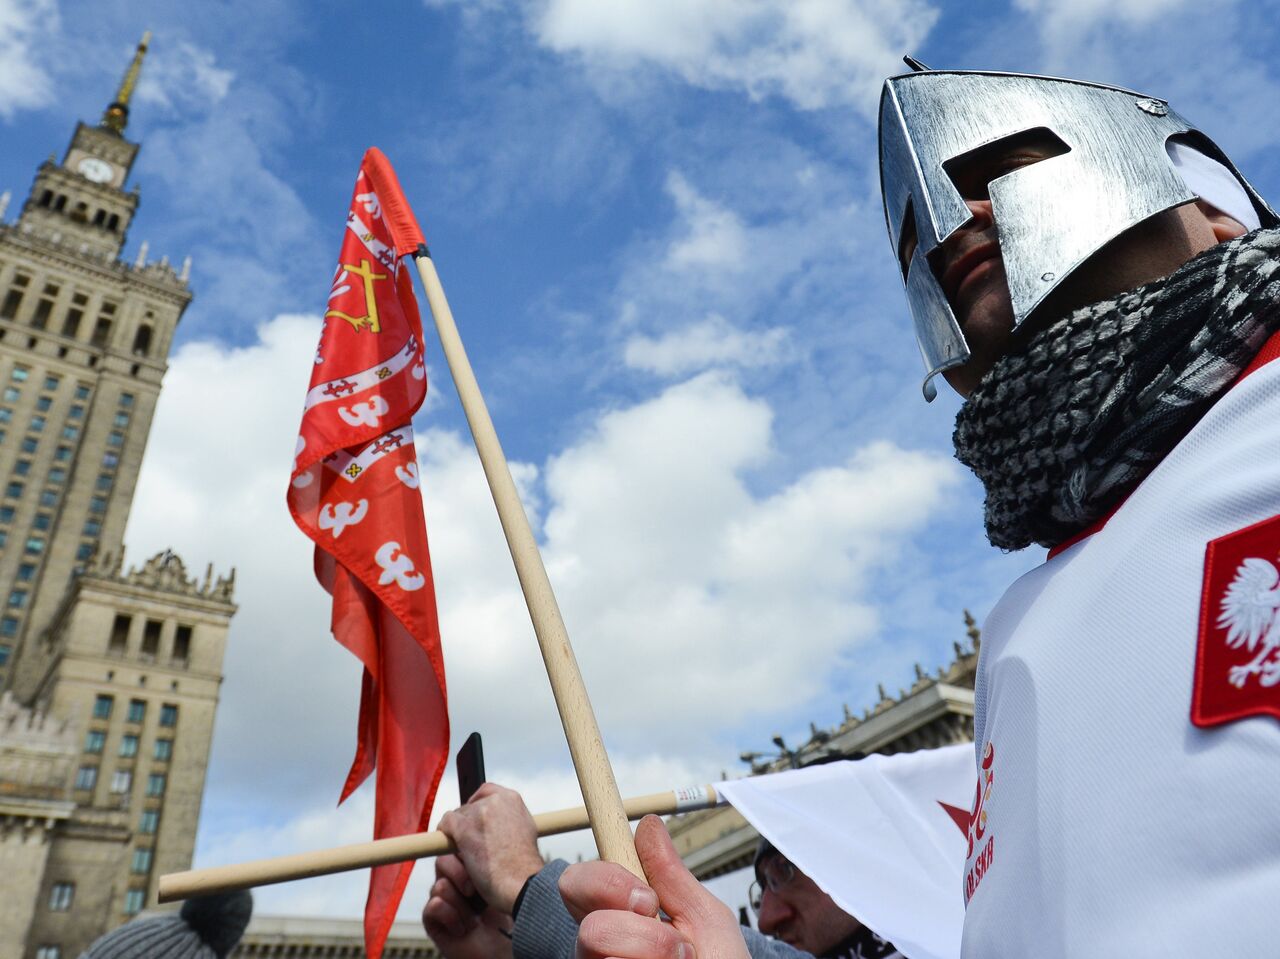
x=1238, y=656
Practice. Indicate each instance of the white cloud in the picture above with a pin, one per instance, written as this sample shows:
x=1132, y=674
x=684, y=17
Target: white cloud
x=815, y=53
x=714, y=236
x=660, y=550
x=183, y=77
x=712, y=342
x=1077, y=14
x=24, y=82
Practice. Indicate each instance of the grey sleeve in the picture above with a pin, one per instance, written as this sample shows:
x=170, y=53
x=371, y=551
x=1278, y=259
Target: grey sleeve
x=763, y=947
x=543, y=927
x=545, y=930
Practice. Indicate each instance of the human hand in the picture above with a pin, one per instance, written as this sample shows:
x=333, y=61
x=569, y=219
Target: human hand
x=497, y=843
x=616, y=911
x=456, y=929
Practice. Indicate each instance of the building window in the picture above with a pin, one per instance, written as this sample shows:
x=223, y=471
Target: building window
x=133, y=900
x=86, y=777
x=110, y=460
x=119, y=634
x=182, y=643
x=122, y=420
x=121, y=780
x=62, y=453
x=57, y=475
x=115, y=438
x=6, y=414
x=37, y=424
x=104, y=482
x=13, y=300
x=48, y=498
x=18, y=598
x=82, y=391
x=44, y=306
x=27, y=572
x=97, y=505
x=6, y=514
x=35, y=545
x=126, y=400
x=151, y=637
x=4, y=538
x=20, y=374
x=8, y=626
x=11, y=394
x=168, y=715
x=22, y=467
x=48, y=952
x=61, y=896
x=102, y=706
x=13, y=490
x=43, y=403
x=92, y=528
x=76, y=412
x=94, y=741
x=101, y=331
x=163, y=750
x=71, y=324
x=70, y=432
x=141, y=861
x=30, y=444
x=51, y=383
x=128, y=745
x=5, y=652
x=84, y=551
x=42, y=521
x=137, y=711
x=155, y=784
x=148, y=822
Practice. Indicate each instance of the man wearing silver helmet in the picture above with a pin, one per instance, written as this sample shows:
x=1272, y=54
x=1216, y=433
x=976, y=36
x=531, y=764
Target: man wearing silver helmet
x=1100, y=283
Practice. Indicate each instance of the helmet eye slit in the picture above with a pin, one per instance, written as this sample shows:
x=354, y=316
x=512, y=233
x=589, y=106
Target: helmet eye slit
x=973, y=172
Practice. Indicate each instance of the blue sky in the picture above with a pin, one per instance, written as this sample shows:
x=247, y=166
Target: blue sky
x=658, y=224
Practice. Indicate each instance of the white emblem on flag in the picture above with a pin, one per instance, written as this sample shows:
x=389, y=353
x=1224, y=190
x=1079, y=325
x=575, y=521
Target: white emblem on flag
x=364, y=414
x=370, y=203
x=418, y=370
x=408, y=475
x=1250, y=613
x=338, y=516
x=397, y=568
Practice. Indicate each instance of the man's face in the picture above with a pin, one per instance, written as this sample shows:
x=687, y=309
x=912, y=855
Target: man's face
x=795, y=910
x=971, y=271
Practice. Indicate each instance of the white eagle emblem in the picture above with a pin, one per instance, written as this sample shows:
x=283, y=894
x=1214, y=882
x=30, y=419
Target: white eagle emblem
x=1250, y=613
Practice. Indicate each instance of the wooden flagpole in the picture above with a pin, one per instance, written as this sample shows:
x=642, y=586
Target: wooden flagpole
x=323, y=862
x=590, y=761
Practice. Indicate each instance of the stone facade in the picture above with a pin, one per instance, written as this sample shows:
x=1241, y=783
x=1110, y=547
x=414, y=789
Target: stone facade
x=126, y=665
x=278, y=937
x=937, y=710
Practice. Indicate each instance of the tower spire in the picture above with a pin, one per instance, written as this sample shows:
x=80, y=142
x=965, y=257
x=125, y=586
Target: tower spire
x=117, y=114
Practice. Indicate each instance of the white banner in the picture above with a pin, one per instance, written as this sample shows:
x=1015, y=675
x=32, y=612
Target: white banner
x=876, y=835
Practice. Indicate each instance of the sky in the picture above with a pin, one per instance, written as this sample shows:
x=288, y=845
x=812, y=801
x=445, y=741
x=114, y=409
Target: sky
x=659, y=228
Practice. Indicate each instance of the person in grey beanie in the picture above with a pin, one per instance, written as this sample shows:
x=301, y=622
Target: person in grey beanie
x=205, y=928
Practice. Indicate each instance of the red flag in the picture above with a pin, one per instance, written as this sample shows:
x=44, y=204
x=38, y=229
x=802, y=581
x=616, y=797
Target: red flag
x=354, y=491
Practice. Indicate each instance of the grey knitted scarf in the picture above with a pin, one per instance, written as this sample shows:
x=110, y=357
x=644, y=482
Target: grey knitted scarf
x=1060, y=431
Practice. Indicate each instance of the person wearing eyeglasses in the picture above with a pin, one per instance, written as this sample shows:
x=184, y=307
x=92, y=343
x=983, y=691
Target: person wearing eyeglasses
x=789, y=906
x=519, y=912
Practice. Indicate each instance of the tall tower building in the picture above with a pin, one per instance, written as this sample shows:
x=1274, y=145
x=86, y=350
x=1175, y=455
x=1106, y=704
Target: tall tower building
x=126, y=663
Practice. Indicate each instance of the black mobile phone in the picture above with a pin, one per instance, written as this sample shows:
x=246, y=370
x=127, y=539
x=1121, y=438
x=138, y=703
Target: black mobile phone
x=470, y=764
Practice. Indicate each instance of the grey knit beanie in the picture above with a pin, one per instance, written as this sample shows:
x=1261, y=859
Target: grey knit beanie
x=206, y=928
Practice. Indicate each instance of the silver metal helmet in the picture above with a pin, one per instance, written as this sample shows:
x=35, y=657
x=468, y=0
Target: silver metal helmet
x=1051, y=216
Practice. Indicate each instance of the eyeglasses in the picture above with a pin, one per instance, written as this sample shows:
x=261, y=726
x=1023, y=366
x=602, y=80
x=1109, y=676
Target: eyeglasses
x=777, y=873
